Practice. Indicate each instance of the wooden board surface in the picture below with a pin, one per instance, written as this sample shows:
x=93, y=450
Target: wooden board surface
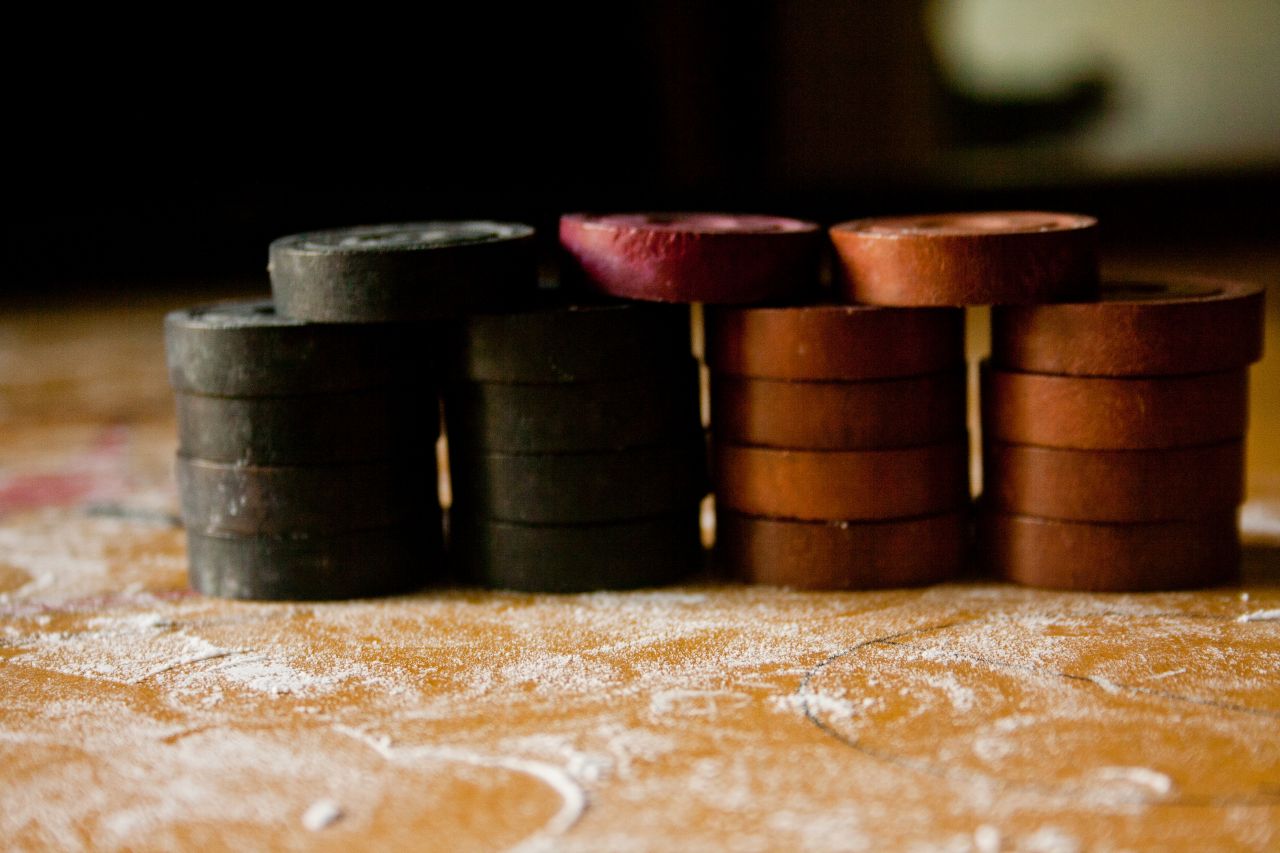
x=970, y=716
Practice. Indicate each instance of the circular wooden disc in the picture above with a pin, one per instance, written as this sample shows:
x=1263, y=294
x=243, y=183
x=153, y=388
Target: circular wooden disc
x=1114, y=485
x=352, y=565
x=220, y=499
x=841, y=554
x=575, y=558
x=988, y=258
x=246, y=349
x=867, y=415
x=1088, y=556
x=843, y=485
x=1095, y=413
x=403, y=272
x=569, y=417
x=834, y=342
x=693, y=257
x=578, y=488
x=1135, y=329
x=311, y=429
x=570, y=344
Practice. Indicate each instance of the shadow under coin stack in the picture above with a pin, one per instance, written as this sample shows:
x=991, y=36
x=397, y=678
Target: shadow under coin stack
x=306, y=468
x=840, y=452
x=1115, y=436
x=575, y=448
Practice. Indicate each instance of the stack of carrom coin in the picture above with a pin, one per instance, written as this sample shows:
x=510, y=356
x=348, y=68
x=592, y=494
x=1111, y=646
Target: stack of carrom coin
x=1114, y=430
x=576, y=453
x=306, y=464
x=840, y=453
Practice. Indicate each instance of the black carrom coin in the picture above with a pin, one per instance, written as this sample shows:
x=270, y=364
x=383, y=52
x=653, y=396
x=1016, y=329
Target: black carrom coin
x=403, y=272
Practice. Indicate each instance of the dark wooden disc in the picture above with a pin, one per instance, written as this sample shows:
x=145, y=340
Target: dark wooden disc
x=246, y=349
x=1089, y=556
x=873, y=414
x=843, y=485
x=220, y=499
x=570, y=417
x=1114, y=485
x=1109, y=413
x=841, y=554
x=987, y=258
x=579, y=488
x=692, y=257
x=350, y=565
x=834, y=342
x=575, y=558
x=405, y=272
x=310, y=429
x=1135, y=329
x=570, y=344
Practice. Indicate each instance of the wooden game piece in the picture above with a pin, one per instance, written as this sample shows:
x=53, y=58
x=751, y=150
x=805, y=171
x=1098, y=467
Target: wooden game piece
x=576, y=558
x=1114, y=485
x=407, y=272
x=1135, y=329
x=987, y=258
x=692, y=257
x=333, y=566
x=841, y=554
x=579, y=488
x=232, y=499
x=843, y=485
x=834, y=342
x=1092, y=556
x=578, y=343
x=246, y=349
x=308, y=429
x=867, y=415
x=571, y=417
x=1108, y=413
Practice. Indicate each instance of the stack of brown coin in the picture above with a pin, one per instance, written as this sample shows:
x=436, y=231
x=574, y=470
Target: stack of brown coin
x=1113, y=433
x=840, y=456
x=306, y=464
x=576, y=452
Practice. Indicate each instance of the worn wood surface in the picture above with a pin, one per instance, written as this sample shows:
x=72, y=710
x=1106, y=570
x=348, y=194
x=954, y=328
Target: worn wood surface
x=969, y=716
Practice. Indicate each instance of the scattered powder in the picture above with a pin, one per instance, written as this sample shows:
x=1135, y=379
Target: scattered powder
x=1260, y=616
x=321, y=814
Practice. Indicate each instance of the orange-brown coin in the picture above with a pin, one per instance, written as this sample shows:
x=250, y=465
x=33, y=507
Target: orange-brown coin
x=834, y=342
x=1089, y=556
x=987, y=258
x=838, y=415
x=843, y=485
x=1106, y=413
x=841, y=554
x=1114, y=485
x=1135, y=329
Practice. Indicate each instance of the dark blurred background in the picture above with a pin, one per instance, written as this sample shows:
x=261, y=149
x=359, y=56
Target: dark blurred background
x=171, y=150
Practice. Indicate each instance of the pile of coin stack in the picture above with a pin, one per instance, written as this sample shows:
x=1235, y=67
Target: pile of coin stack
x=307, y=428
x=841, y=455
x=575, y=447
x=301, y=455
x=1114, y=455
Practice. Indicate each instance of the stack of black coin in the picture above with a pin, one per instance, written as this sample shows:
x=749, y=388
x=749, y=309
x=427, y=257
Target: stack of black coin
x=308, y=429
x=306, y=465
x=576, y=451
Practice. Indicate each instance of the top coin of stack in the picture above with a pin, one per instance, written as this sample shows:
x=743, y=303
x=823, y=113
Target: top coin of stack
x=692, y=257
x=990, y=258
x=403, y=273
x=1114, y=435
